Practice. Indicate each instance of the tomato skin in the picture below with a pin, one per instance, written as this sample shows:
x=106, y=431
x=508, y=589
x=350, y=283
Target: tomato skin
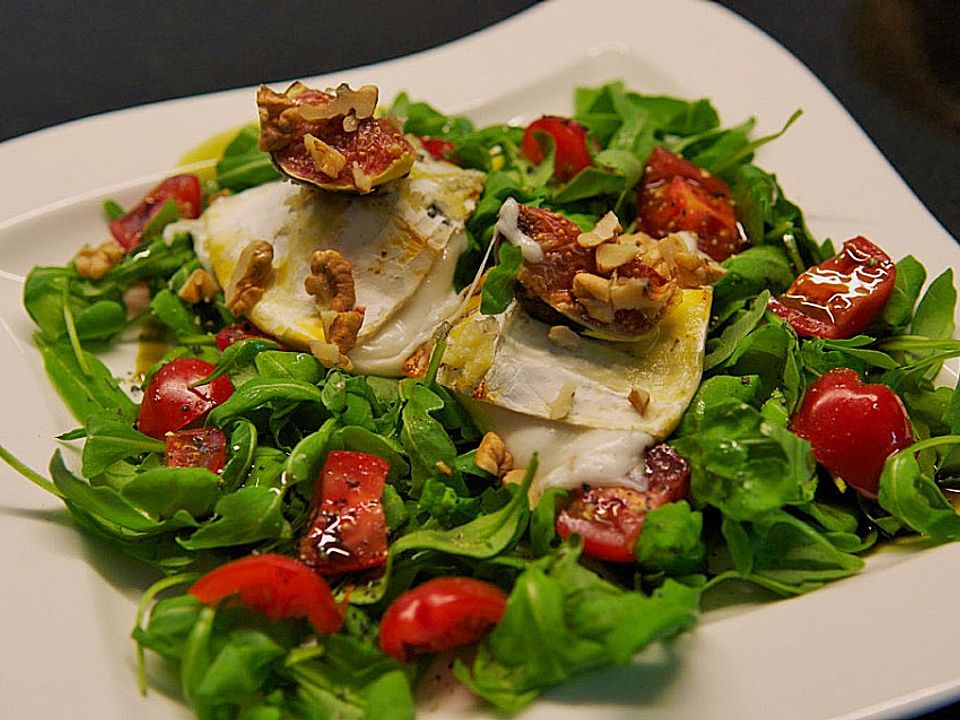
x=278, y=586
x=675, y=195
x=235, y=332
x=610, y=518
x=570, y=140
x=182, y=189
x=841, y=296
x=440, y=614
x=346, y=527
x=203, y=447
x=169, y=403
x=439, y=149
x=853, y=428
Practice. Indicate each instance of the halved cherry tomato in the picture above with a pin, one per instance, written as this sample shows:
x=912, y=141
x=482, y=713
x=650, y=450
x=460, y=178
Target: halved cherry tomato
x=570, y=140
x=278, y=586
x=839, y=297
x=610, y=518
x=346, y=528
x=169, y=402
x=853, y=428
x=182, y=189
x=675, y=195
x=439, y=149
x=242, y=330
x=441, y=614
x=202, y=447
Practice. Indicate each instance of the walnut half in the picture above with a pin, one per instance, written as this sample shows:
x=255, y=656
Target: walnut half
x=250, y=277
x=493, y=456
x=331, y=281
x=95, y=262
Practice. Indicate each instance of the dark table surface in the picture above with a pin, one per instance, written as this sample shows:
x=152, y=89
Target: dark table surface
x=894, y=64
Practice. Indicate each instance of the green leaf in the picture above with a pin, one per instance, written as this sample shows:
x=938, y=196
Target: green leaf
x=249, y=515
x=162, y=492
x=759, y=268
x=543, y=519
x=934, y=316
x=497, y=291
x=244, y=664
x=242, y=448
x=898, y=312
x=424, y=438
x=111, y=438
x=670, y=541
x=306, y=459
x=722, y=348
x=258, y=393
x=744, y=465
x=284, y=364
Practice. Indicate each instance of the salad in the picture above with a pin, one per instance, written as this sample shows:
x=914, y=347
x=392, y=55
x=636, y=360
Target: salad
x=323, y=531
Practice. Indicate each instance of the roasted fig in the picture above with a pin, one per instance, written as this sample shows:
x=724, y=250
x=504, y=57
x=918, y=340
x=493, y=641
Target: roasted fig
x=330, y=139
x=600, y=283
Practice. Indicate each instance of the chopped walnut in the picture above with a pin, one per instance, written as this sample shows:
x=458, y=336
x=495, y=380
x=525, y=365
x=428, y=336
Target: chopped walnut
x=326, y=158
x=361, y=179
x=591, y=286
x=606, y=229
x=329, y=355
x=344, y=329
x=278, y=117
x=443, y=468
x=563, y=336
x=493, y=456
x=560, y=406
x=95, y=262
x=346, y=101
x=250, y=277
x=610, y=256
x=640, y=399
x=514, y=477
x=676, y=256
x=331, y=281
x=199, y=286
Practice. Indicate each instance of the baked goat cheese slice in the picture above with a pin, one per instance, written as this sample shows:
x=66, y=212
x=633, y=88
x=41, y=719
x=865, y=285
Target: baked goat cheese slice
x=403, y=243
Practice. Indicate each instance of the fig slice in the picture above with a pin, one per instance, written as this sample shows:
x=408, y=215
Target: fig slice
x=560, y=281
x=329, y=138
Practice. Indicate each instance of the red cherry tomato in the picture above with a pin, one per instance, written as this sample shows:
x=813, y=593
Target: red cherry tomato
x=853, y=428
x=441, y=614
x=570, y=140
x=346, y=528
x=839, y=297
x=675, y=195
x=203, y=447
x=439, y=149
x=609, y=519
x=182, y=189
x=242, y=330
x=276, y=585
x=169, y=402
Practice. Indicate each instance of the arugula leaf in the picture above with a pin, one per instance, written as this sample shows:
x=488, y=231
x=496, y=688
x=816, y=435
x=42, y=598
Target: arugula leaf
x=163, y=492
x=497, y=291
x=249, y=515
x=744, y=465
x=111, y=438
x=243, y=446
x=285, y=364
x=759, y=268
x=272, y=393
x=897, y=314
x=562, y=620
x=424, y=438
x=670, y=541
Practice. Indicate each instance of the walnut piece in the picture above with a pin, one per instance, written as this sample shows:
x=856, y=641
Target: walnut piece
x=95, y=262
x=326, y=158
x=606, y=229
x=278, y=116
x=344, y=329
x=331, y=281
x=562, y=404
x=492, y=455
x=640, y=399
x=563, y=336
x=199, y=286
x=251, y=275
x=360, y=103
x=610, y=256
x=329, y=355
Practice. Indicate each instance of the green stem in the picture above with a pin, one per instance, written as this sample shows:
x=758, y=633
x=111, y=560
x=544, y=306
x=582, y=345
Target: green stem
x=72, y=333
x=918, y=342
x=32, y=475
x=148, y=597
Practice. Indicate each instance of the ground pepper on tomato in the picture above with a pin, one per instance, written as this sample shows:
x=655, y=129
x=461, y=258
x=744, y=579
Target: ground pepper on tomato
x=841, y=296
x=675, y=195
x=201, y=447
x=170, y=403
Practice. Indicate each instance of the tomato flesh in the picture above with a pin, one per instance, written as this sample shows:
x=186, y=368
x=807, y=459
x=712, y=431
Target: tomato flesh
x=853, y=428
x=184, y=190
x=346, y=528
x=675, y=195
x=439, y=149
x=169, y=403
x=570, y=140
x=609, y=519
x=839, y=297
x=440, y=614
x=278, y=586
x=202, y=447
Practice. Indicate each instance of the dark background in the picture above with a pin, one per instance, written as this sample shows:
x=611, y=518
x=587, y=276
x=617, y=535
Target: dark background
x=894, y=64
